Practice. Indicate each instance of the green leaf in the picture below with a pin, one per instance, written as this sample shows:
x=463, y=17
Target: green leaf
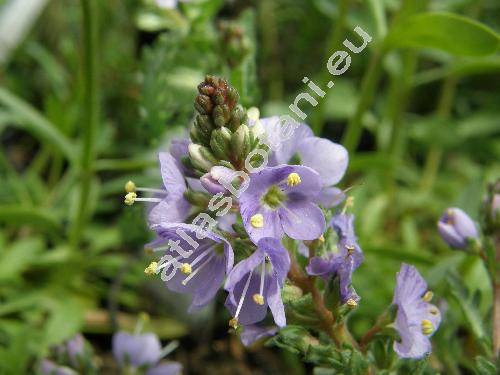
x=484, y=367
x=33, y=121
x=38, y=218
x=447, y=32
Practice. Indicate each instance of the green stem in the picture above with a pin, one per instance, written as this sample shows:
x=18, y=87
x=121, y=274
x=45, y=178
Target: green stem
x=333, y=44
x=368, y=86
x=435, y=154
x=91, y=114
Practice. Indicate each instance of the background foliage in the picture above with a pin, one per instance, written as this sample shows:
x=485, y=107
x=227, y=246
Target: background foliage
x=418, y=110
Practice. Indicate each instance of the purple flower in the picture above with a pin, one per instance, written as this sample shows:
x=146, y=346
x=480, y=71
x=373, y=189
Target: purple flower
x=142, y=350
x=74, y=348
x=136, y=350
x=416, y=318
x=214, y=180
x=254, y=332
x=327, y=158
x=174, y=208
x=343, y=263
x=280, y=200
x=48, y=367
x=197, y=262
x=179, y=149
x=456, y=228
x=255, y=283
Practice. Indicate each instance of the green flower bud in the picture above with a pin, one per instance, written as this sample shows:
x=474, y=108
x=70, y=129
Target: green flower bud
x=201, y=157
x=220, y=142
x=221, y=115
x=291, y=293
x=203, y=104
x=240, y=143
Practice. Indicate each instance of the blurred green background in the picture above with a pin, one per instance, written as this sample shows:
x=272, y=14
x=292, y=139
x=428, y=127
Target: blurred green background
x=90, y=91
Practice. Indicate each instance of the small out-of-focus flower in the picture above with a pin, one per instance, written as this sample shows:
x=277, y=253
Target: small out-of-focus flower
x=416, y=319
x=142, y=350
x=344, y=262
x=74, y=348
x=457, y=228
x=167, y=4
x=255, y=284
x=281, y=200
x=254, y=332
x=47, y=367
x=202, y=271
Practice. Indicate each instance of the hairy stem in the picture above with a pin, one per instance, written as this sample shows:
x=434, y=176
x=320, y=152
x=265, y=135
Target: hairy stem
x=90, y=115
x=307, y=285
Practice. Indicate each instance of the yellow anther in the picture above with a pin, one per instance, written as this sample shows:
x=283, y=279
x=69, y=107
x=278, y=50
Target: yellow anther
x=351, y=303
x=130, y=187
x=186, y=268
x=130, y=198
x=428, y=296
x=349, y=202
x=258, y=299
x=350, y=249
x=257, y=221
x=321, y=239
x=233, y=323
x=293, y=179
x=427, y=327
x=149, y=250
x=151, y=269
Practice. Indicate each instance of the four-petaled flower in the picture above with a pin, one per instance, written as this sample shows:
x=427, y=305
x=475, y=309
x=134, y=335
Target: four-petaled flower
x=416, y=318
x=255, y=284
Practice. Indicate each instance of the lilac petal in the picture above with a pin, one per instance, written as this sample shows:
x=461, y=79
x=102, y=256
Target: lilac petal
x=271, y=227
x=450, y=236
x=283, y=148
x=261, y=181
x=179, y=149
x=413, y=343
x=275, y=303
x=254, y=332
x=138, y=349
x=464, y=224
x=75, y=349
x=325, y=157
x=302, y=220
x=278, y=256
x=173, y=209
x=213, y=280
x=171, y=175
x=410, y=286
x=330, y=197
x=195, y=184
x=303, y=249
x=241, y=270
x=319, y=266
x=211, y=185
x=226, y=222
x=166, y=368
x=251, y=312
x=310, y=185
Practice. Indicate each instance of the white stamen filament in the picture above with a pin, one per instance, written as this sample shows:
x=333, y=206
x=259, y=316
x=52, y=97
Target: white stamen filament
x=193, y=274
x=262, y=277
x=161, y=248
x=242, y=298
x=167, y=264
x=155, y=200
x=150, y=190
x=200, y=257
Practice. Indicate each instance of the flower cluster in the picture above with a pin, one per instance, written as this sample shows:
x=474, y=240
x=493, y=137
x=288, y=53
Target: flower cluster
x=245, y=201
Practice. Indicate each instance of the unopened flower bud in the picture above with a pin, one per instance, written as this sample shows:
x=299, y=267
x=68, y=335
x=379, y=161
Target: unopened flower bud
x=220, y=142
x=291, y=293
x=201, y=157
x=221, y=115
x=457, y=228
x=240, y=142
x=197, y=198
